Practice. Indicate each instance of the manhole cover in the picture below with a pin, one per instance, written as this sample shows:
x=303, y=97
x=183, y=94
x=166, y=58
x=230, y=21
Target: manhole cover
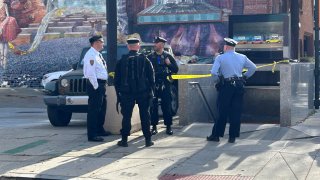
x=204, y=177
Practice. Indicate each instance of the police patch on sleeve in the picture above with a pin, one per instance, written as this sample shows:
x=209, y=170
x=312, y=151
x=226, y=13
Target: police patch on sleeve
x=91, y=62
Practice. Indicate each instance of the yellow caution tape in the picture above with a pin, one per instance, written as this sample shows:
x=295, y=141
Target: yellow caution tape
x=189, y=76
x=111, y=74
x=195, y=76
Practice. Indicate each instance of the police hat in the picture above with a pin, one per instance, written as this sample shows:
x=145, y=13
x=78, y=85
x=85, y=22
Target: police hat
x=230, y=42
x=96, y=38
x=159, y=39
x=133, y=40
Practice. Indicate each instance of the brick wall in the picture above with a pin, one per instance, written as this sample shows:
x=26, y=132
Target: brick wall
x=306, y=20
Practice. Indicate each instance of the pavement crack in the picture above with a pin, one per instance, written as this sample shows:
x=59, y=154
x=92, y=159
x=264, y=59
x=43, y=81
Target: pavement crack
x=38, y=136
x=264, y=165
x=288, y=166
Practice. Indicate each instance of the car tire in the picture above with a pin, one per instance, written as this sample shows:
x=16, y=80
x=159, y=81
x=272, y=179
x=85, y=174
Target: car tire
x=58, y=117
x=174, y=100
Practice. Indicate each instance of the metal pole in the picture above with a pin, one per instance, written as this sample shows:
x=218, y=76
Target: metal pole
x=316, y=54
x=294, y=13
x=111, y=10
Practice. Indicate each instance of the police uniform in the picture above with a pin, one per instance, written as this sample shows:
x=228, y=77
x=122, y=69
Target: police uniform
x=162, y=87
x=95, y=71
x=227, y=69
x=134, y=82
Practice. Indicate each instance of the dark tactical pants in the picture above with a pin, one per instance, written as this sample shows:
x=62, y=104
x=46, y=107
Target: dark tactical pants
x=164, y=93
x=127, y=102
x=230, y=99
x=97, y=105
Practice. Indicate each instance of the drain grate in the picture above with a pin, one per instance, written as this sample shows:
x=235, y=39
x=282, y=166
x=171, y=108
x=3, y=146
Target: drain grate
x=204, y=177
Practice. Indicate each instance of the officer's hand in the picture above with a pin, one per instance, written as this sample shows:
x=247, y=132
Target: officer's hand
x=167, y=61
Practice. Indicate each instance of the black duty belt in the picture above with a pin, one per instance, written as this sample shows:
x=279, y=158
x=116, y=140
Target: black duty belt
x=233, y=79
x=102, y=81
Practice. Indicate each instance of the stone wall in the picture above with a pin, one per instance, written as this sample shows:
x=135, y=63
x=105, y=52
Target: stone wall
x=286, y=104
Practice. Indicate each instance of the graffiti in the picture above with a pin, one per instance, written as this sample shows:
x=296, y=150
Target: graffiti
x=50, y=35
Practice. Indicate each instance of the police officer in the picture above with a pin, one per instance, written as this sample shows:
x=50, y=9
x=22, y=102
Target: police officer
x=95, y=71
x=227, y=69
x=134, y=82
x=164, y=64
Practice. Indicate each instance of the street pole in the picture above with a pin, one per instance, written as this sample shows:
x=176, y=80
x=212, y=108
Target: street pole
x=294, y=13
x=111, y=9
x=316, y=54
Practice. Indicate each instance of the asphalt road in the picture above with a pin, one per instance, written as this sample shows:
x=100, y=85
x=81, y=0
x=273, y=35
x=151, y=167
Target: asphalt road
x=24, y=107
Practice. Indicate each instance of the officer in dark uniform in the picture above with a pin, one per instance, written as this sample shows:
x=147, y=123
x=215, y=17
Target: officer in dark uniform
x=227, y=71
x=134, y=84
x=95, y=71
x=164, y=65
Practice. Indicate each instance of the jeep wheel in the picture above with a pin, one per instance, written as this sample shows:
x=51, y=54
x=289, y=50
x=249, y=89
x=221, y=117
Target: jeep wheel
x=174, y=100
x=58, y=117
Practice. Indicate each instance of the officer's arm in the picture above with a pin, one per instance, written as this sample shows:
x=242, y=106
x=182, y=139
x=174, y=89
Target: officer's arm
x=215, y=69
x=173, y=64
x=117, y=76
x=150, y=74
x=90, y=70
x=250, y=66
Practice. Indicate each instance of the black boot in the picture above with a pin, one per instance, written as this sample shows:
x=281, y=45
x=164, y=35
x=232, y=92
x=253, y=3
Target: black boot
x=232, y=140
x=149, y=142
x=169, y=131
x=123, y=142
x=154, y=130
x=213, y=138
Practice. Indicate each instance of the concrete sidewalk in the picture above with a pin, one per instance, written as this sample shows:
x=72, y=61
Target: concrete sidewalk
x=262, y=152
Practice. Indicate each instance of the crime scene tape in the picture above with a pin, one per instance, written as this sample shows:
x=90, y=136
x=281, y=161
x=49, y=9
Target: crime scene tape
x=195, y=76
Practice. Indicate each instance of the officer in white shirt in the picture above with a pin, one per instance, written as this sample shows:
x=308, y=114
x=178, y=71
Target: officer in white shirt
x=95, y=71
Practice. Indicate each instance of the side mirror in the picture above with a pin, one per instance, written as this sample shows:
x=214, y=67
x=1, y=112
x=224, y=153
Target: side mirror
x=74, y=66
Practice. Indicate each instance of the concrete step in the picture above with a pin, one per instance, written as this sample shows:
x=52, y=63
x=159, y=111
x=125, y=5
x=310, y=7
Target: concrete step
x=76, y=34
x=34, y=25
x=29, y=30
x=59, y=29
x=87, y=23
x=72, y=19
x=96, y=18
x=82, y=29
x=22, y=38
x=50, y=36
x=76, y=16
x=61, y=24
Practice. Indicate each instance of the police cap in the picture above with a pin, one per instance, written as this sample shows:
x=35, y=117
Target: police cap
x=230, y=42
x=96, y=38
x=133, y=40
x=159, y=39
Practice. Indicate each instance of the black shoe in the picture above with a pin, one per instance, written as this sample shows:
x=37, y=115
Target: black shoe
x=213, y=138
x=169, y=131
x=105, y=133
x=96, y=139
x=232, y=140
x=149, y=143
x=154, y=130
x=122, y=143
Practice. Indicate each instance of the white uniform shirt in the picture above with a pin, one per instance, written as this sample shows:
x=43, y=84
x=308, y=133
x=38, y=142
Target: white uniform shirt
x=95, y=70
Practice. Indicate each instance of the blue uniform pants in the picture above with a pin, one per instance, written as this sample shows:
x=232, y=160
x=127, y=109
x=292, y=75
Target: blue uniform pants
x=97, y=105
x=230, y=100
x=127, y=104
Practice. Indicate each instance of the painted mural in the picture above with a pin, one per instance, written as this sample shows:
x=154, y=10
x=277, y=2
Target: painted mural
x=42, y=36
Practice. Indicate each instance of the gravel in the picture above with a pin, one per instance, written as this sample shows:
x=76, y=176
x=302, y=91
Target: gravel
x=53, y=55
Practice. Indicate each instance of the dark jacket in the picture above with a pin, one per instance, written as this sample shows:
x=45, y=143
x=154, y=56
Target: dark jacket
x=162, y=70
x=134, y=74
